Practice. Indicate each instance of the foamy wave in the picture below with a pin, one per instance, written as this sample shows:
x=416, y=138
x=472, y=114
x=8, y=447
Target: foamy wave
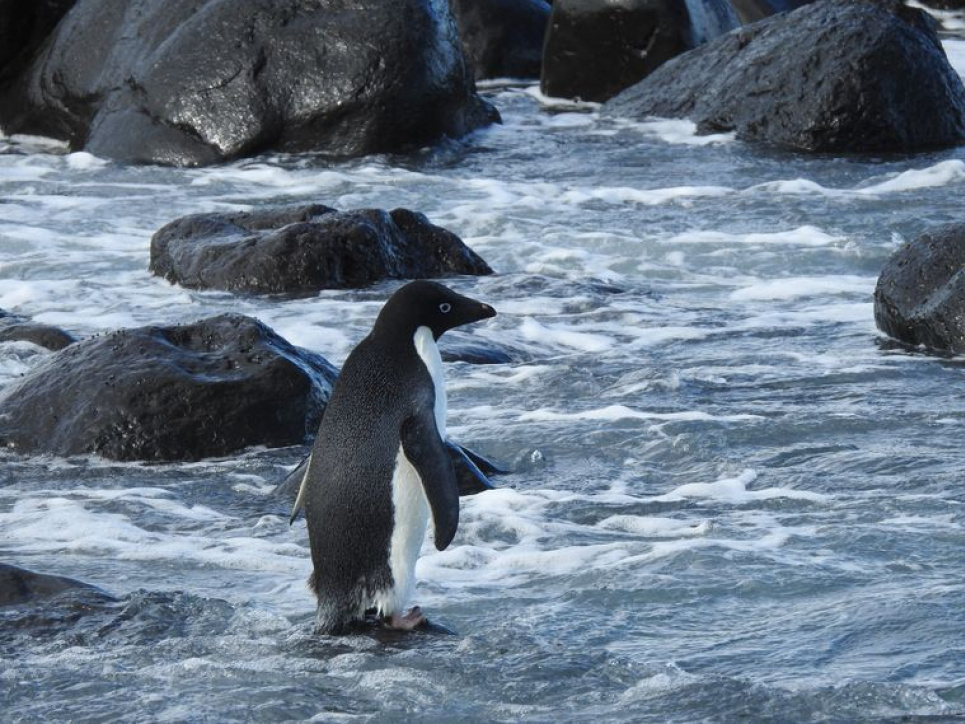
x=807, y=236
x=734, y=490
x=509, y=537
x=560, y=336
x=796, y=287
x=676, y=131
x=613, y=413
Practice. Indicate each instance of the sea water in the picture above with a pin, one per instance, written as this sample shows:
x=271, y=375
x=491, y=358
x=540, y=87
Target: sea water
x=731, y=499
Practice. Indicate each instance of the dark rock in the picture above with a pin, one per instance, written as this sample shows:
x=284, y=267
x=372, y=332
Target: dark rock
x=301, y=250
x=750, y=11
x=920, y=295
x=19, y=586
x=14, y=328
x=193, y=82
x=169, y=393
x=503, y=38
x=23, y=28
x=596, y=49
x=833, y=76
x=473, y=352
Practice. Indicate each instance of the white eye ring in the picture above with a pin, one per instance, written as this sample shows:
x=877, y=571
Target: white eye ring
x=445, y=307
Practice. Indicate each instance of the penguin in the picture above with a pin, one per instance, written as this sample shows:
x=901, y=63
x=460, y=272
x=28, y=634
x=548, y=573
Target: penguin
x=379, y=467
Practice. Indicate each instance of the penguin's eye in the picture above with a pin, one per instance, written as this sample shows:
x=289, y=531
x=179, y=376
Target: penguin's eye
x=445, y=307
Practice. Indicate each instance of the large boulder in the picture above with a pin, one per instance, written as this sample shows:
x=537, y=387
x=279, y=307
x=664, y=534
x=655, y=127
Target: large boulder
x=193, y=82
x=15, y=328
x=503, y=38
x=301, y=250
x=833, y=76
x=596, y=49
x=169, y=393
x=920, y=295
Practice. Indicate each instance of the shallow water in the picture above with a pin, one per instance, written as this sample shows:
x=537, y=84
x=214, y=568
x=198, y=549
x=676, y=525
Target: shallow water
x=731, y=499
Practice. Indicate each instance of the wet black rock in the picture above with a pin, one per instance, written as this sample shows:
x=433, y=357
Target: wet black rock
x=195, y=82
x=301, y=250
x=169, y=393
x=596, y=49
x=503, y=38
x=19, y=586
x=834, y=76
x=14, y=328
x=475, y=352
x=920, y=295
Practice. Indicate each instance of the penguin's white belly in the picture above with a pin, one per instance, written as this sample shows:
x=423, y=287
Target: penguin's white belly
x=409, y=502
x=411, y=518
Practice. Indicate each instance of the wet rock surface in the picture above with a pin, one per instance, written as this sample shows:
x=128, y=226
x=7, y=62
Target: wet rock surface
x=302, y=250
x=920, y=295
x=834, y=76
x=168, y=393
x=15, y=328
x=192, y=82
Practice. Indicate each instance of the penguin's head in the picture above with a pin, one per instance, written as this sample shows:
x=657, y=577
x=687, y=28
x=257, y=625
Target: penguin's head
x=428, y=304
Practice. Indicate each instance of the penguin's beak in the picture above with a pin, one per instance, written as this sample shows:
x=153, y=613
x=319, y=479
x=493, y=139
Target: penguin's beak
x=468, y=311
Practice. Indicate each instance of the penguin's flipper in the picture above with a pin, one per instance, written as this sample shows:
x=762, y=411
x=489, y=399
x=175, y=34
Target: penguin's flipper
x=470, y=478
x=425, y=450
x=301, y=470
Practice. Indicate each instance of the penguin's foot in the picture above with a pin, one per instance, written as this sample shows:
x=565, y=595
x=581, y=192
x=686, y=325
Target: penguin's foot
x=409, y=621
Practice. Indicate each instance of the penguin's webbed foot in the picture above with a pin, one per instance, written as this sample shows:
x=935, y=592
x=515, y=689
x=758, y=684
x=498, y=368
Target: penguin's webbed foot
x=413, y=619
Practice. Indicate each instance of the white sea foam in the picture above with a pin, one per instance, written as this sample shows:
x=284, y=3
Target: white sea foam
x=944, y=173
x=613, y=413
x=559, y=336
x=797, y=287
x=647, y=527
x=676, y=131
x=734, y=490
x=643, y=197
x=806, y=236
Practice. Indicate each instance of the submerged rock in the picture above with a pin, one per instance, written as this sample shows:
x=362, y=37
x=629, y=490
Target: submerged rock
x=920, y=295
x=194, y=82
x=14, y=328
x=302, y=250
x=19, y=586
x=596, y=49
x=503, y=38
x=475, y=352
x=833, y=76
x=169, y=393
